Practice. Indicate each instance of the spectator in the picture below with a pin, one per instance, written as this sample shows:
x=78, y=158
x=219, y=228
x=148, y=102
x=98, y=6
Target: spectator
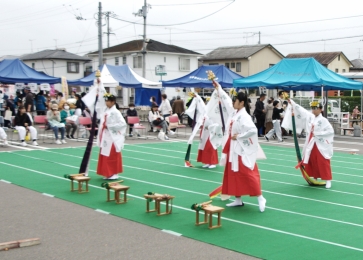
x=268, y=118
x=355, y=114
x=178, y=108
x=157, y=120
x=79, y=106
x=23, y=124
x=18, y=99
x=153, y=101
x=172, y=101
x=60, y=100
x=70, y=124
x=281, y=97
x=3, y=136
x=41, y=103
x=9, y=110
x=29, y=101
x=53, y=117
x=260, y=113
x=165, y=107
x=131, y=112
x=276, y=116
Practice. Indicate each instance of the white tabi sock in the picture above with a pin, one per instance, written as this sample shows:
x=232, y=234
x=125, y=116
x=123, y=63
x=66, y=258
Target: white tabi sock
x=236, y=203
x=328, y=184
x=261, y=203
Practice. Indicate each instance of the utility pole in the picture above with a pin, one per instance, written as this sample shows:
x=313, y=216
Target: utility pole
x=259, y=37
x=55, y=43
x=100, y=53
x=143, y=12
x=108, y=27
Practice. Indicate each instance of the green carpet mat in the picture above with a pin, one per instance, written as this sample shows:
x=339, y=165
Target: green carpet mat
x=300, y=222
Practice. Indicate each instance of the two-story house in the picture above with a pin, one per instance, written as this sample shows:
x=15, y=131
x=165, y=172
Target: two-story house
x=176, y=60
x=245, y=60
x=57, y=63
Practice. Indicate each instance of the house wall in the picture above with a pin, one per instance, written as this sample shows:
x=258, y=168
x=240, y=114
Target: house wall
x=58, y=68
x=341, y=64
x=257, y=62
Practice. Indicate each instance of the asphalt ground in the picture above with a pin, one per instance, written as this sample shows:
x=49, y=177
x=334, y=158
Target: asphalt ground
x=70, y=231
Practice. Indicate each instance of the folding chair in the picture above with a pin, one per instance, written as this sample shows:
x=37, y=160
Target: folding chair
x=42, y=123
x=133, y=120
x=85, y=121
x=175, y=119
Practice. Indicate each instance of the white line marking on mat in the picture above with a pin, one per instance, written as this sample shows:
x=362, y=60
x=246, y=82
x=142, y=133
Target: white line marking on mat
x=171, y=232
x=102, y=211
x=48, y=195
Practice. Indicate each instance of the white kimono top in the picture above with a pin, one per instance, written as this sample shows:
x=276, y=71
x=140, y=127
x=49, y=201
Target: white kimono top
x=197, y=107
x=319, y=125
x=115, y=132
x=210, y=130
x=246, y=144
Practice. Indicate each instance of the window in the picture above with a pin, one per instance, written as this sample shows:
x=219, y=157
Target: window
x=343, y=70
x=164, y=59
x=73, y=67
x=124, y=60
x=238, y=67
x=337, y=70
x=184, y=64
x=33, y=65
x=104, y=60
x=233, y=65
x=339, y=57
x=227, y=65
x=271, y=65
x=213, y=64
x=137, y=62
x=116, y=61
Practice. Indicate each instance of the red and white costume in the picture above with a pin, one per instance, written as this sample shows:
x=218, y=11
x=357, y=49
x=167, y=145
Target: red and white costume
x=110, y=139
x=318, y=147
x=207, y=153
x=241, y=175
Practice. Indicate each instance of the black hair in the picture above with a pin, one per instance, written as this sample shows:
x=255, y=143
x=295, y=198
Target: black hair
x=243, y=97
x=131, y=105
x=60, y=94
x=275, y=103
x=262, y=95
x=281, y=92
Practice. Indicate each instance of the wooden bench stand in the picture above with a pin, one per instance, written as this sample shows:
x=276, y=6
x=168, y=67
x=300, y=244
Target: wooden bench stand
x=80, y=178
x=117, y=188
x=158, y=198
x=210, y=210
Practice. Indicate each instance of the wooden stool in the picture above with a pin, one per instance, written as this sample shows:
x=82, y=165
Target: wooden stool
x=80, y=179
x=159, y=198
x=209, y=210
x=117, y=189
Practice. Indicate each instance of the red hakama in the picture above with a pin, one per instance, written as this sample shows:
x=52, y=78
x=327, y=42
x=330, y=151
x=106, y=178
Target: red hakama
x=209, y=155
x=318, y=166
x=243, y=182
x=110, y=165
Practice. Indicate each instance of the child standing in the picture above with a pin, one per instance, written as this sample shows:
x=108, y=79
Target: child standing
x=276, y=117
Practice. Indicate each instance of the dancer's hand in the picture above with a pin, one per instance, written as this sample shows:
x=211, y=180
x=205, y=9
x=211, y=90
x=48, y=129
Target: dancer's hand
x=234, y=137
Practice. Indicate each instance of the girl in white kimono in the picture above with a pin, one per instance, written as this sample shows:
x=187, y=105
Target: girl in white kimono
x=207, y=153
x=240, y=148
x=318, y=147
x=110, y=139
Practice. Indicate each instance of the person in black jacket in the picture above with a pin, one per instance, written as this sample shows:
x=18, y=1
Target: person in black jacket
x=276, y=116
x=260, y=114
x=131, y=112
x=24, y=124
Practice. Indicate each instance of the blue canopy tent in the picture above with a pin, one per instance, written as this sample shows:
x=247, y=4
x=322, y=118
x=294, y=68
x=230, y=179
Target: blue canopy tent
x=125, y=77
x=15, y=71
x=304, y=74
x=198, y=78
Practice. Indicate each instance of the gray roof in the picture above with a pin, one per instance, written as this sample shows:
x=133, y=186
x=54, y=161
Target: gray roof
x=357, y=64
x=236, y=52
x=58, y=54
x=9, y=57
x=152, y=46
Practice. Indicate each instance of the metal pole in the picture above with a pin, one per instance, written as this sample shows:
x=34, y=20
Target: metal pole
x=100, y=53
x=259, y=37
x=144, y=13
x=108, y=29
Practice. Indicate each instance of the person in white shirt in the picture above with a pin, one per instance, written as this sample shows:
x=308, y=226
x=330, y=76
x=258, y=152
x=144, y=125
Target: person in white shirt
x=165, y=108
x=157, y=120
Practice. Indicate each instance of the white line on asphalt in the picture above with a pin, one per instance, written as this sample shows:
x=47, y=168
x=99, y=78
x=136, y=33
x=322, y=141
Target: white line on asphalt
x=171, y=232
x=48, y=195
x=102, y=211
x=8, y=182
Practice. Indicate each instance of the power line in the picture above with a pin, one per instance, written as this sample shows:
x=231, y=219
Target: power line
x=115, y=17
x=195, y=3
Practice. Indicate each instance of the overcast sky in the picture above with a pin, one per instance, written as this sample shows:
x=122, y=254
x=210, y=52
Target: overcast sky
x=45, y=24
